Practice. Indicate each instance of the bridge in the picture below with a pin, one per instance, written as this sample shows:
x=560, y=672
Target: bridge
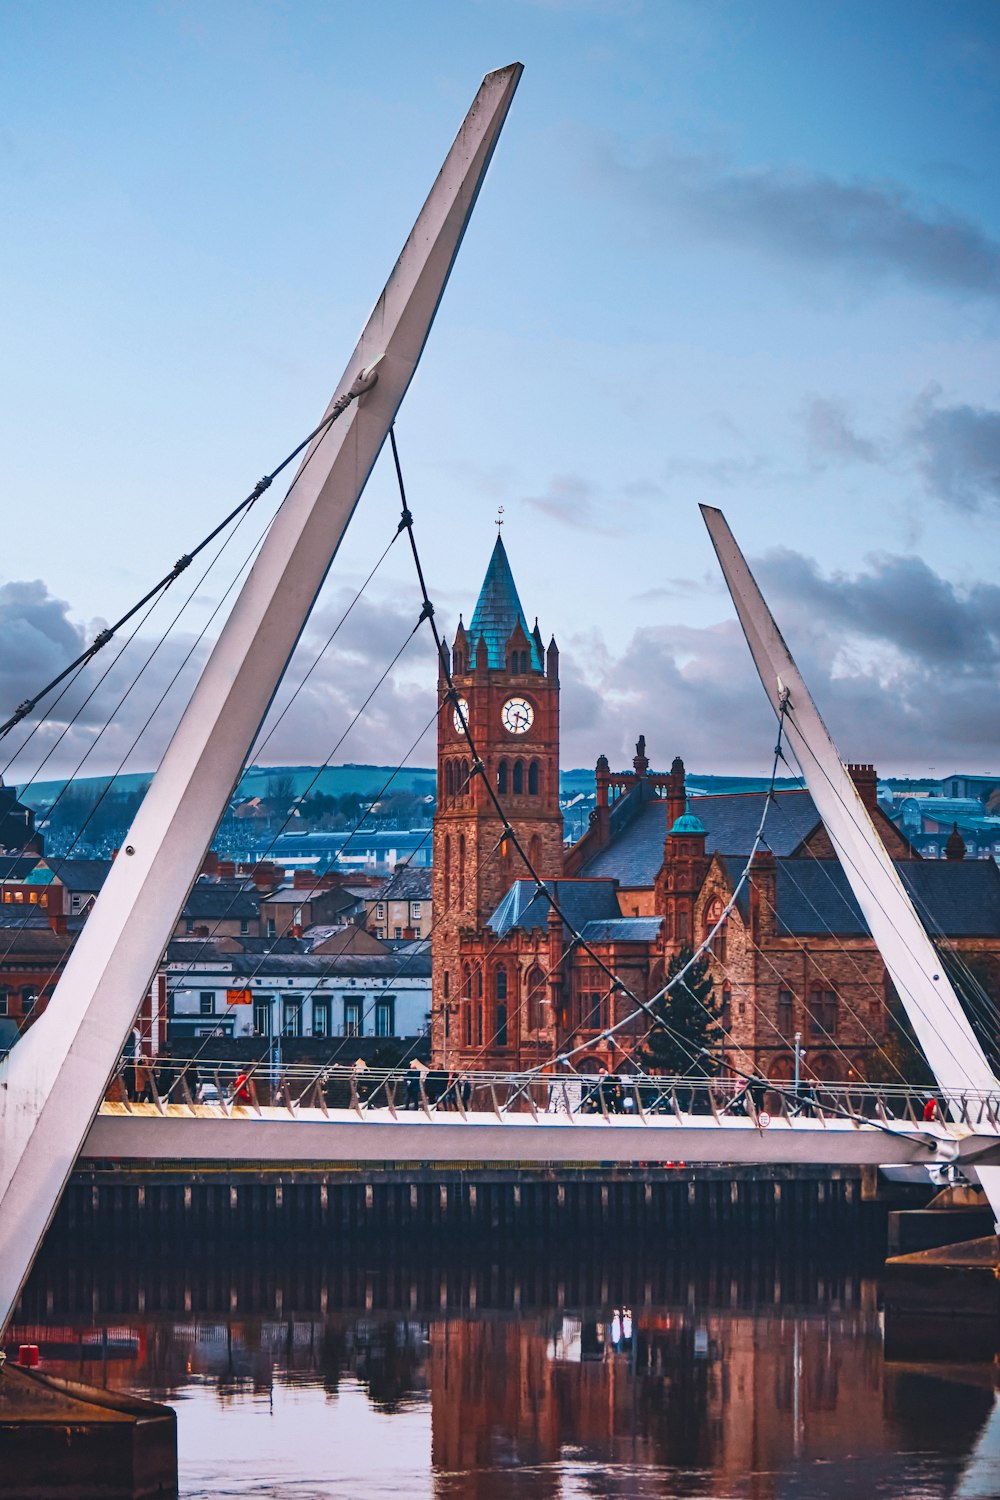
x=504, y=1117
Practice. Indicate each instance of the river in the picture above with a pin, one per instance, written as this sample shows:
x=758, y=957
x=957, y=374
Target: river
x=608, y=1375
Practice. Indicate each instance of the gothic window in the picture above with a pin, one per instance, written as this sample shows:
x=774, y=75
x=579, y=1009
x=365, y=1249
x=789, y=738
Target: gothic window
x=500, y=982
x=461, y=872
x=536, y=998
x=479, y=983
x=479, y=1020
x=518, y=778
x=682, y=930
x=447, y=871
x=786, y=1013
x=502, y=777
x=467, y=1024
x=590, y=1000
x=463, y=785
x=719, y=941
x=449, y=779
x=467, y=981
x=458, y=663
x=447, y=985
x=533, y=779
x=501, y=1025
x=727, y=1010
x=823, y=1013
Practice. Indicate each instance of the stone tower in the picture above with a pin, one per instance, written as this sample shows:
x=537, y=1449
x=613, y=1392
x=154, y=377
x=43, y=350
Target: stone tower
x=508, y=684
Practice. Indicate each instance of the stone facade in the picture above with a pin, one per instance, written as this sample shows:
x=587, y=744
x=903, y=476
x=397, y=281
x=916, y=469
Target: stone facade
x=513, y=988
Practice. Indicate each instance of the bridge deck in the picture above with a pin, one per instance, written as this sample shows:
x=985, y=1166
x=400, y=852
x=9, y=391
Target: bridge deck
x=211, y=1132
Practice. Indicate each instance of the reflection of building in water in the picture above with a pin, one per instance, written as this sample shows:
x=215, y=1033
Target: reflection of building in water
x=734, y=1394
x=745, y=1397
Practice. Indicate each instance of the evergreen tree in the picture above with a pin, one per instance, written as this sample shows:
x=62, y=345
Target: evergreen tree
x=691, y=1012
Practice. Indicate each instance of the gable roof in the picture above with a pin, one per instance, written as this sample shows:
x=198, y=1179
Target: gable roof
x=408, y=884
x=222, y=899
x=80, y=874
x=635, y=854
x=497, y=611
x=953, y=898
x=581, y=901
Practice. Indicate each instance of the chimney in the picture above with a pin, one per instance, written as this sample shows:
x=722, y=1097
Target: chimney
x=58, y=922
x=676, y=793
x=955, y=846
x=866, y=782
x=210, y=866
x=763, y=894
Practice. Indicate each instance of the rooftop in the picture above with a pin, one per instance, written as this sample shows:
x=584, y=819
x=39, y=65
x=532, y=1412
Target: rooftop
x=498, y=610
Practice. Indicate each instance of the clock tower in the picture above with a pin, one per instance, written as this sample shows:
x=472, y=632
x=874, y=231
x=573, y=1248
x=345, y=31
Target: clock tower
x=508, y=687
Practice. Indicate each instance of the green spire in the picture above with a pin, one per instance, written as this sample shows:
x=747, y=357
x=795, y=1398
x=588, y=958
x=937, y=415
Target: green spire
x=497, y=612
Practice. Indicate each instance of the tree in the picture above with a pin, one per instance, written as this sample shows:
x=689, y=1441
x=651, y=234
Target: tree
x=691, y=1012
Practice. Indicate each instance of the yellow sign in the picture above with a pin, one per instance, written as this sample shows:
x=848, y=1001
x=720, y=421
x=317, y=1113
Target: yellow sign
x=239, y=997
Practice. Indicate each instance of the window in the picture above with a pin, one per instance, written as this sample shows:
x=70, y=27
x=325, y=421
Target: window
x=206, y=1003
x=29, y=997
x=518, y=778
x=4, y=1003
x=447, y=871
x=379, y=911
x=502, y=777
x=385, y=1019
x=479, y=1024
x=461, y=872
x=533, y=779
x=352, y=1017
x=536, y=998
x=321, y=1017
x=786, y=1013
x=291, y=1016
x=458, y=663
x=589, y=1000
x=262, y=1015
x=244, y=926
x=416, y=911
x=501, y=1026
x=500, y=983
x=682, y=927
x=189, y=924
x=727, y=1009
x=823, y=1013
x=446, y=982
x=397, y=932
x=272, y=930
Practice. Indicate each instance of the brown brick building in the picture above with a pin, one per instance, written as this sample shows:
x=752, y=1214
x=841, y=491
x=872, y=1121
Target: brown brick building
x=513, y=986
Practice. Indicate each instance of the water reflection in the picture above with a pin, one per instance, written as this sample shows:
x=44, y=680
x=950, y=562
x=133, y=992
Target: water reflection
x=600, y=1378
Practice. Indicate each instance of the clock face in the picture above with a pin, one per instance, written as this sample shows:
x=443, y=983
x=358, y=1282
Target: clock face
x=456, y=718
x=517, y=715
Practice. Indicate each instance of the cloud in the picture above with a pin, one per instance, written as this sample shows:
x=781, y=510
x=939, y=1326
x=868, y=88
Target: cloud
x=113, y=714
x=832, y=436
x=958, y=453
x=573, y=501
x=873, y=229
x=901, y=662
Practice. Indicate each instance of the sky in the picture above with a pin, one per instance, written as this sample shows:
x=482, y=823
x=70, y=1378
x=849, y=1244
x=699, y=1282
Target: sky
x=741, y=254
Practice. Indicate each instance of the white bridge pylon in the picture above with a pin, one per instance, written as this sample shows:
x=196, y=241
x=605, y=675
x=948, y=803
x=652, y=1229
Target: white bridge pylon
x=915, y=968
x=54, y=1079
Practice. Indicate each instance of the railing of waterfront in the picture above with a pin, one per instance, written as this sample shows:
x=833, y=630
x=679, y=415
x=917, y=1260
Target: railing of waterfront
x=233, y=1088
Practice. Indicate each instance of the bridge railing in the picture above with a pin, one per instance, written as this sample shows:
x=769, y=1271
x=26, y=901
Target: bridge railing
x=368, y=1091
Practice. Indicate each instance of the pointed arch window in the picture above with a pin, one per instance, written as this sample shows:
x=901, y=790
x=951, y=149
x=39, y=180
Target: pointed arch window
x=518, y=778
x=502, y=777
x=533, y=779
x=447, y=871
x=536, y=998
x=500, y=982
x=459, y=664
x=461, y=872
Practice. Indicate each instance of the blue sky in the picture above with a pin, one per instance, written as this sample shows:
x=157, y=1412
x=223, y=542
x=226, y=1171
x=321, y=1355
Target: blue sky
x=743, y=254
